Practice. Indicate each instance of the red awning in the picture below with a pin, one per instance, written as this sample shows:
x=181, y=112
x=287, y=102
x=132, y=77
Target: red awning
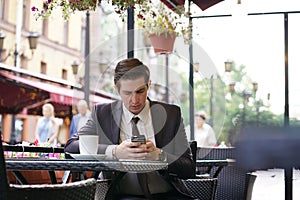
x=18, y=93
x=203, y=4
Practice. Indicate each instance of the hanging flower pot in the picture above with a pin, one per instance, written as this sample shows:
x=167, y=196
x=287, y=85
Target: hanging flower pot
x=163, y=43
x=83, y=4
x=66, y=6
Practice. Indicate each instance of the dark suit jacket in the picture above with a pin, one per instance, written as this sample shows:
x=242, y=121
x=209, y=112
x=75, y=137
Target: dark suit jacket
x=168, y=128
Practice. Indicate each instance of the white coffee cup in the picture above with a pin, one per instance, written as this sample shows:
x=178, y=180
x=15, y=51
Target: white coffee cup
x=88, y=144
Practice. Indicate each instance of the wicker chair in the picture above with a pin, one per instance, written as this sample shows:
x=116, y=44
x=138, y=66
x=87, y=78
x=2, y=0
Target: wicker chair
x=201, y=187
x=81, y=190
x=234, y=183
x=102, y=189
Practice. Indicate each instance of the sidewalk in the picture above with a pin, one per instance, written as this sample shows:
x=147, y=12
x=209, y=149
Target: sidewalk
x=270, y=185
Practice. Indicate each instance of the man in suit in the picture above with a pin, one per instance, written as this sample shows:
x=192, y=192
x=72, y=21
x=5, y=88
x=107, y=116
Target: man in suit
x=161, y=124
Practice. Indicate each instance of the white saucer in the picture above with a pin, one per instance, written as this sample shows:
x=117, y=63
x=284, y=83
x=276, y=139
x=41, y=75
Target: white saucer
x=88, y=157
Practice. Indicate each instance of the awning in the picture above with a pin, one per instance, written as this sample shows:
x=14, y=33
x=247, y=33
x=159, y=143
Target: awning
x=203, y=4
x=18, y=94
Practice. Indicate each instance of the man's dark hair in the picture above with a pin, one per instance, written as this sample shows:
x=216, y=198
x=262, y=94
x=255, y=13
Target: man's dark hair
x=130, y=69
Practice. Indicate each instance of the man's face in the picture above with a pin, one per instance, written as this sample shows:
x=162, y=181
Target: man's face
x=134, y=94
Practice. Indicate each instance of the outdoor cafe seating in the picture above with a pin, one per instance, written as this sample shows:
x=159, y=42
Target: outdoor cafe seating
x=81, y=190
x=200, y=187
x=223, y=181
x=101, y=189
x=234, y=182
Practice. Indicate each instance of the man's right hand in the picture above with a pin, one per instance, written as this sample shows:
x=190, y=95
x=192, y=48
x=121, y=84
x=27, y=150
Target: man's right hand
x=131, y=150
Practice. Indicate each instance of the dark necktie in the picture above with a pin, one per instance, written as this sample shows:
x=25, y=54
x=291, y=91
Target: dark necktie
x=142, y=177
x=135, y=130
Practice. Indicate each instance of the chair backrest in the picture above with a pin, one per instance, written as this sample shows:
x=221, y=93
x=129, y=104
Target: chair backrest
x=102, y=189
x=203, y=188
x=232, y=180
x=250, y=180
x=80, y=190
x=3, y=176
x=193, y=146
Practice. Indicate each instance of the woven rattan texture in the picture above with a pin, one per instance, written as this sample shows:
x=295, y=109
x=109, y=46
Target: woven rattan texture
x=232, y=183
x=81, y=190
x=204, y=189
x=101, y=189
x=77, y=165
x=143, y=166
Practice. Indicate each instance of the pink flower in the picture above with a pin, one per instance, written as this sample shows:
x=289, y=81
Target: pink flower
x=33, y=8
x=36, y=142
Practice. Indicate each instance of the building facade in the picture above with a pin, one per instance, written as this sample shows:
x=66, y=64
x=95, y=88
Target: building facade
x=60, y=44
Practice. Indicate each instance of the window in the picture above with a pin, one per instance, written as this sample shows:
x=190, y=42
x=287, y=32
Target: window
x=65, y=33
x=25, y=15
x=43, y=68
x=3, y=55
x=2, y=9
x=45, y=27
x=24, y=61
x=64, y=74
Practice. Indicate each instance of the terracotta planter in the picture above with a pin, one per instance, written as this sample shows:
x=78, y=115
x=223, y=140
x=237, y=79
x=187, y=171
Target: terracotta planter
x=163, y=43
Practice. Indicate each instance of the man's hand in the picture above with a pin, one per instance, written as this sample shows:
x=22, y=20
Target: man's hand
x=131, y=150
x=136, y=150
x=152, y=150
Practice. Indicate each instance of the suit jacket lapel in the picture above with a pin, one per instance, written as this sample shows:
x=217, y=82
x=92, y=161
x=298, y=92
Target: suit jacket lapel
x=159, y=117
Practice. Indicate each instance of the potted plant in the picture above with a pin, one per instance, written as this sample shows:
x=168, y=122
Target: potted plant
x=162, y=24
x=159, y=19
x=66, y=6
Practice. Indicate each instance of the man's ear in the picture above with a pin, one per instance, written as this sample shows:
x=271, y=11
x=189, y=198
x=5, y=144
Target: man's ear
x=149, y=84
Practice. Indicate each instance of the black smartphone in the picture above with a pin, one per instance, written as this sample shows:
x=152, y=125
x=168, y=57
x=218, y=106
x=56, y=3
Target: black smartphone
x=139, y=138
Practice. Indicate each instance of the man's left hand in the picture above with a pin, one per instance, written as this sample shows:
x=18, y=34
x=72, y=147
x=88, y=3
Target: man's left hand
x=152, y=150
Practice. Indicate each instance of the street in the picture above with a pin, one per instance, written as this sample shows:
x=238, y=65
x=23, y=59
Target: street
x=269, y=184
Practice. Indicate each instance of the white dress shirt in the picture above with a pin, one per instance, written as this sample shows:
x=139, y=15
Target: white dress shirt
x=144, y=125
x=129, y=183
